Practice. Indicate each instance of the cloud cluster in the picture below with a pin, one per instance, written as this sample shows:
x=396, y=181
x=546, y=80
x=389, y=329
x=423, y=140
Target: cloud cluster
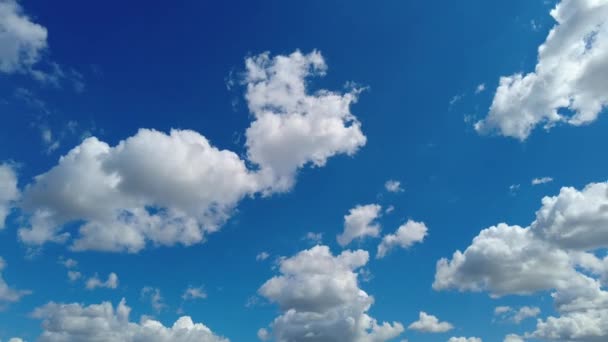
x=9, y=192
x=320, y=299
x=556, y=252
x=165, y=189
x=103, y=322
x=568, y=84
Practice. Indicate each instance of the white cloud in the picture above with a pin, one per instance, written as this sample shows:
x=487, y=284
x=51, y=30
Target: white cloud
x=315, y=238
x=516, y=316
x=505, y=260
x=15, y=339
x=525, y=312
x=588, y=326
x=165, y=189
x=406, y=235
x=499, y=310
x=153, y=295
x=9, y=192
x=103, y=322
x=293, y=127
x=7, y=294
x=464, y=339
x=94, y=282
x=430, y=324
x=569, y=76
x=360, y=223
x=262, y=256
x=320, y=299
x=22, y=42
x=74, y=275
x=575, y=219
x=480, y=88
x=513, y=338
x=194, y=293
x=542, y=180
x=393, y=186
x=555, y=253
x=263, y=334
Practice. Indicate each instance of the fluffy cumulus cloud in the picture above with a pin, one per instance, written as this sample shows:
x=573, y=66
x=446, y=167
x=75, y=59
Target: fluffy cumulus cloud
x=9, y=192
x=292, y=126
x=22, y=42
x=8, y=294
x=103, y=322
x=164, y=189
x=152, y=187
x=360, y=222
x=406, y=235
x=568, y=84
x=320, y=300
x=430, y=324
x=464, y=339
x=557, y=252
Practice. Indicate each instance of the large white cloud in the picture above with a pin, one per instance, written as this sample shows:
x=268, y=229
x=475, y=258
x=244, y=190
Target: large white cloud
x=103, y=322
x=22, y=41
x=430, y=324
x=406, y=235
x=320, y=299
x=570, y=75
x=9, y=192
x=8, y=294
x=152, y=187
x=557, y=253
x=166, y=189
x=575, y=219
x=293, y=127
x=360, y=223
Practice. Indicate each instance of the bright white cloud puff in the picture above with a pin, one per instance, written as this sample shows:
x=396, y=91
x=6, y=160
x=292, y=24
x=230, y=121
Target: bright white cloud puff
x=568, y=84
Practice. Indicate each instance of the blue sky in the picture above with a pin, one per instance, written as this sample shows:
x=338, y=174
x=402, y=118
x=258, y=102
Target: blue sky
x=209, y=154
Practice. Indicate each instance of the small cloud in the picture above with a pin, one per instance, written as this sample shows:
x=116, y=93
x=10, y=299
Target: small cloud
x=262, y=256
x=74, y=275
x=392, y=185
x=389, y=209
x=514, y=188
x=430, y=324
x=455, y=99
x=153, y=295
x=94, y=282
x=194, y=293
x=516, y=315
x=542, y=180
x=315, y=238
x=480, y=88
